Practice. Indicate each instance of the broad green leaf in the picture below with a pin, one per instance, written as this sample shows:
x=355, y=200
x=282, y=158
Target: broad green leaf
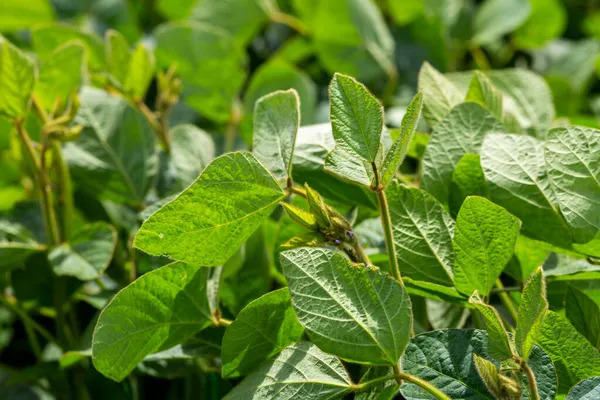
x=350, y=168
x=301, y=371
x=439, y=94
x=276, y=75
x=356, y=117
x=495, y=18
x=518, y=181
x=532, y=308
x=211, y=65
x=572, y=157
x=115, y=158
x=545, y=375
x=48, y=38
x=397, y=153
x=484, y=242
x=241, y=18
x=573, y=356
x=140, y=73
x=546, y=22
x=575, y=61
x=276, y=121
x=567, y=265
x=87, y=253
x=460, y=132
x=61, y=75
x=261, y=330
x=117, y=54
x=16, y=15
x=422, y=235
x=498, y=341
x=444, y=315
x=210, y=220
x=584, y=314
x=16, y=245
x=355, y=312
x=444, y=358
x=588, y=389
x=434, y=291
x=192, y=149
x=386, y=390
x=490, y=375
x=17, y=80
x=405, y=11
x=467, y=180
x=175, y=10
x=483, y=92
x=157, y=311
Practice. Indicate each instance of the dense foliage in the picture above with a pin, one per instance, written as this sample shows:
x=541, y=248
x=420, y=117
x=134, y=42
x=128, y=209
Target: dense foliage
x=311, y=199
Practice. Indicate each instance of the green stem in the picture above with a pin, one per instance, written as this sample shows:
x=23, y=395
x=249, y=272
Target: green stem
x=224, y=322
x=480, y=59
x=506, y=300
x=533, y=389
x=386, y=221
x=361, y=252
x=65, y=190
x=46, y=193
x=438, y=394
x=361, y=387
x=29, y=325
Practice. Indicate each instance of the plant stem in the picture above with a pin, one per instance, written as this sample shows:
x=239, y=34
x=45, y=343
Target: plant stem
x=506, y=300
x=533, y=389
x=361, y=387
x=438, y=394
x=231, y=129
x=498, y=290
x=386, y=221
x=224, y=321
x=160, y=126
x=65, y=190
x=29, y=329
x=297, y=191
x=360, y=251
x=480, y=58
x=291, y=21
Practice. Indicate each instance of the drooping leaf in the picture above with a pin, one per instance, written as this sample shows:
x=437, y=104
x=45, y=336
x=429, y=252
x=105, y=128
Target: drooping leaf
x=357, y=313
x=87, y=253
x=211, y=65
x=467, y=180
x=532, y=308
x=588, y=389
x=439, y=94
x=300, y=370
x=546, y=22
x=572, y=157
x=574, y=357
x=61, y=75
x=483, y=92
x=484, y=242
x=209, y=221
x=460, y=132
x=584, y=314
x=498, y=341
x=16, y=245
x=157, y=311
x=261, y=330
x=518, y=181
x=422, y=235
x=115, y=157
x=356, y=117
x=17, y=15
x=17, y=80
x=495, y=18
x=397, y=153
x=276, y=121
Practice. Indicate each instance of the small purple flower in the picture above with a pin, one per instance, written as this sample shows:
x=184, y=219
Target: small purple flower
x=350, y=233
x=337, y=241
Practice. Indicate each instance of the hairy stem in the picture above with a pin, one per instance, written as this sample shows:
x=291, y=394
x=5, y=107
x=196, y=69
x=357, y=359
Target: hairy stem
x=438, y=394
x=361, y=387
x=65, y=191
x=531, y=383
x=506, y=300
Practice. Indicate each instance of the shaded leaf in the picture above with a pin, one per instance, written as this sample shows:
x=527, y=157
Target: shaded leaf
x=483, y=92
x=16, y=245
x=584, y=314
x=439, y=94
x=588, y=389
x=498, y=341
x=495, y=18
x=467, y=180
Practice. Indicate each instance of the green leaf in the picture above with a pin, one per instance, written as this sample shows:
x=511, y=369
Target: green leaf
x=405, y=11
x=210, y=220
x=532, y=308
x=386, y=390
x=157, y=311
x=422, y=235
x=483, y=92
x=301, y=370
x=484, y=242
x=262, y=329
x=356, y=117
x=572, y=157
x=276, y=121
x=357, y=313
x=117, y=54
x=588, y=389
x=445, y=359
x=87, y=253
x=546, y=22
x=462, y=131
x=440, y=94
x=17, y=15
x=434, y=291
x=498, y=341
x=545, y=375
x=518, y=181
x=584, y=314
x=140, y=73
x=115, y=157
x=349, y=167
x=61, y=75
x=490, y=375
x=17, y=79
x=444, y=315
x=573, y=356
x=495, y=18
x=16, y=245
x=395, y=156
x=48, y=38
x=467, y=180
x=211, y=65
